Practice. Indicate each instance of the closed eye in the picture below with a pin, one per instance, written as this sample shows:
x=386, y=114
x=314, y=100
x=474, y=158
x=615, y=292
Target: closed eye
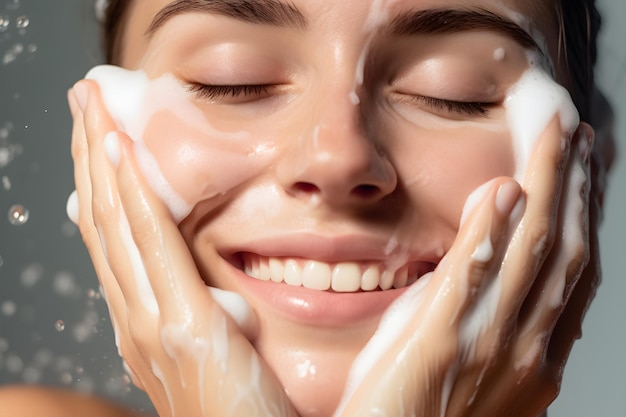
x=462, y=108
x=231, y=93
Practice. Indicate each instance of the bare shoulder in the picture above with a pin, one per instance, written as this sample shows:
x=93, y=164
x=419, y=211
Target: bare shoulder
x=31, y=401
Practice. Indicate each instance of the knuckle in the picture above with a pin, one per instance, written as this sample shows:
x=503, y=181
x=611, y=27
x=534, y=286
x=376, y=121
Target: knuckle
x=549, y=384
x=140, y=331
x=541, y=233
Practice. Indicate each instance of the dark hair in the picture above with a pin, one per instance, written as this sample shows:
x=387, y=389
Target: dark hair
x=578, y=20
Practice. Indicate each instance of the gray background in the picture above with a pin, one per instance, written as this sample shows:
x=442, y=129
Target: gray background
x=53, y=327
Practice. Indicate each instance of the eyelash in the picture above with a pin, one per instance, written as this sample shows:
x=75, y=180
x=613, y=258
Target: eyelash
x=213, y=92
x=457, y=107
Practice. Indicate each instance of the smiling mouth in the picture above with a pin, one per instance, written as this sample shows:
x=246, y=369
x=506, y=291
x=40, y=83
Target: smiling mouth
x=344, y=277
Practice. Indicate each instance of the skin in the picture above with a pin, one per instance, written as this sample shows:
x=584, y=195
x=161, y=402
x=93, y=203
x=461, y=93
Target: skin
x=404, y=153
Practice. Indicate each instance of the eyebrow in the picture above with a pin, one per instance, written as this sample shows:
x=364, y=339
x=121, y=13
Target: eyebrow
x=448, y=21
x=263, y=12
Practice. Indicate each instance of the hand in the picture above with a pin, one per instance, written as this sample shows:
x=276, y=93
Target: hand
x=180, y=347
x=489, y=331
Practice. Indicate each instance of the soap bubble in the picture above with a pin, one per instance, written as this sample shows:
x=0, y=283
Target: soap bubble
x=32, y=48
x=4, y=23
x=59, y=325
x=18, y=215
x=6, y=183
x=22, y=22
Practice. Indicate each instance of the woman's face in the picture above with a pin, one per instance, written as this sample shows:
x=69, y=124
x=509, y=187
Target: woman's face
x=328, y=154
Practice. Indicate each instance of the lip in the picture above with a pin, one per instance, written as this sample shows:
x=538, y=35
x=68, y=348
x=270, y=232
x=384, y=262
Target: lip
x=326, y=249
x=314, y=307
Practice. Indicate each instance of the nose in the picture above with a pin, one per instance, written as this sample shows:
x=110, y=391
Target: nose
x=335, y=160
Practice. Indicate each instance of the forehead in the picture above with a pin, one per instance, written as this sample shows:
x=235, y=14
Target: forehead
x=339, y=17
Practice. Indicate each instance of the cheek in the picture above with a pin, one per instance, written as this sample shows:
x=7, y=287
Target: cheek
x=199, y=165
x=440, y=170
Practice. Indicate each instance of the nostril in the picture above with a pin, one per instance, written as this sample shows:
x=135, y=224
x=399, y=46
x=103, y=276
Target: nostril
x=365, y=191
x=306, y=188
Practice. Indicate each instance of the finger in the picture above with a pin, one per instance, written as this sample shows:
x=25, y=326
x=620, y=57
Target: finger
x=170, y=268
x=568, y=327
x=82, y=178
x=475, y=257
x=535, y=234
x=444, y=320
x=84, y=191
x=194, y=330
x=570, y=253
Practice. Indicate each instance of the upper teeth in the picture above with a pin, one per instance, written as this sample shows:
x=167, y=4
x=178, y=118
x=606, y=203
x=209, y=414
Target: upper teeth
x=340, y=277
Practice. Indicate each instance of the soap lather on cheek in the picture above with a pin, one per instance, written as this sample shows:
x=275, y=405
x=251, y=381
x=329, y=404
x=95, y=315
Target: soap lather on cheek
x=124, y=95
x=129, y=98
x=531, y=105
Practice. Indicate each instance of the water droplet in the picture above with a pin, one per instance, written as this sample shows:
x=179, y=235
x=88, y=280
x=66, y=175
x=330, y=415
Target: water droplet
x=31, y=375
x=4, y=23
x=11, y=54
x=59, y=325
x=14, y=364
x=32, y=48
x=43, y=357
x=85, y=385
x=66, y=378
x=6, y=183
x=8, y=308
x=6, y=155
x=64, y=283
x=91, y=293
x=18, y=215
x=31, y=274
x=22, y=22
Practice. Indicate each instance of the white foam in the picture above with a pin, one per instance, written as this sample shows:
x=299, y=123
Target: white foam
x=531, y=104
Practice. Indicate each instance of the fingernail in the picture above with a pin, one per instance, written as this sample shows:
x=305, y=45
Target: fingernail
x=112, y=147
x=81, y=93
x=507, y=197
